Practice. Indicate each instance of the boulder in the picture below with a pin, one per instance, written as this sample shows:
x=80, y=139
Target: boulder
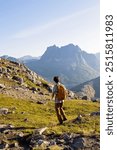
x=38, y=83
x=4, y=110
x=3, y=145
x=84, y=98
x=8, y=70
x=40, y=131
x=19, y=79
x=95, y=113
x=94, y=99
x=78, y=119
x=38, y=140
x=85, y=143
x=2, y=86
x=78, y=143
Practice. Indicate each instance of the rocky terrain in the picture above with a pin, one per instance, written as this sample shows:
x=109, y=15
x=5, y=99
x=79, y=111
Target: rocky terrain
x=40, y=141
x=27, y=115
x=18, y=81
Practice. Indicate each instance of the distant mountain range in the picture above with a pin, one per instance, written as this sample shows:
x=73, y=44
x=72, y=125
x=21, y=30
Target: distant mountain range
x=28, y=58
x=93, y=85
x=9, y=58
x=73, y=65
x=23, y=59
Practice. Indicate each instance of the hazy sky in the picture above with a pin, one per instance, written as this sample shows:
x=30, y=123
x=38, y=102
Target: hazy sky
x=28, y=27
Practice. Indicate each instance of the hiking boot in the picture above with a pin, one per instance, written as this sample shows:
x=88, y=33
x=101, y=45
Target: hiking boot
x=64, y=119
x=61, y=122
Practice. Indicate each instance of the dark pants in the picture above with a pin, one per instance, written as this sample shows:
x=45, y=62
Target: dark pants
x=60, y=112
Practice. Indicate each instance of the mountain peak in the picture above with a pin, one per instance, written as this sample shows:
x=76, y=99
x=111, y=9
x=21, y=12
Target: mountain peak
x=70, y=46
x=68, y=51
x=73, y=65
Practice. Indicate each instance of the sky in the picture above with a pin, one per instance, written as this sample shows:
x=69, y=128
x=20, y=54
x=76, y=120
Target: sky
x=28, y=27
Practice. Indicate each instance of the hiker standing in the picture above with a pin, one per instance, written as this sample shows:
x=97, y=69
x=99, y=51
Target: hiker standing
x=59, y=92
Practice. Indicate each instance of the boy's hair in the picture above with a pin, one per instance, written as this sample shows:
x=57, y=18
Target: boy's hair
x=56, y=79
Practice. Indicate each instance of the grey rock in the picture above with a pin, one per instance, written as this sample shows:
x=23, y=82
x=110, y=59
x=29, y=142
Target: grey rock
x=65, y=136
x=3, y=145
x=16, y=144
x=60, y=141
x=4, y=110
x=10, y=126
x=41, y=102
x=39, y=83
x=21, y=134
x=78, y=143
x=52, y=142
x=95, y=114
x=39, y=140
x=84, y=98
x=19, y=79
x=78, y=119
x=8, y=70
x=40, y=131
x=85, y=143
x=2, y=86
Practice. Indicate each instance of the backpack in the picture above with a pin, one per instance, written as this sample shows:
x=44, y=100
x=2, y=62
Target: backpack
x=61, y=93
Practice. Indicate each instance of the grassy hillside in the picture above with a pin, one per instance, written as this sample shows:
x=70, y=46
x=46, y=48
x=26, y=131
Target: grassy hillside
x=20, y=82
x=23, y=113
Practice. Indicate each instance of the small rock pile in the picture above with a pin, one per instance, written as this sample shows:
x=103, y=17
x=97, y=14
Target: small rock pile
x=66, y=141
x=13, y=139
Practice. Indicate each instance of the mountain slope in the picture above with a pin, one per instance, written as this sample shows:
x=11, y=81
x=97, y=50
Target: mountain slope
x=18, y=81
x=21, y=127
x=73, y=65
x=23, y=116
x=94, y=84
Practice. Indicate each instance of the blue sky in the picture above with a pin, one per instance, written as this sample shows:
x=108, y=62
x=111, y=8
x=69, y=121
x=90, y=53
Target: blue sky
x=28, y=27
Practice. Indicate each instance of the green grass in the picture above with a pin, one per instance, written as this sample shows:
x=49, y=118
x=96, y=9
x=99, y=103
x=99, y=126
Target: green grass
x=44, y=115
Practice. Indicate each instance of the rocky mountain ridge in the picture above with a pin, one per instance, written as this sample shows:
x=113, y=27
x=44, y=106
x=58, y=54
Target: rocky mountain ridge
x=73, y=65
x=23, y=59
